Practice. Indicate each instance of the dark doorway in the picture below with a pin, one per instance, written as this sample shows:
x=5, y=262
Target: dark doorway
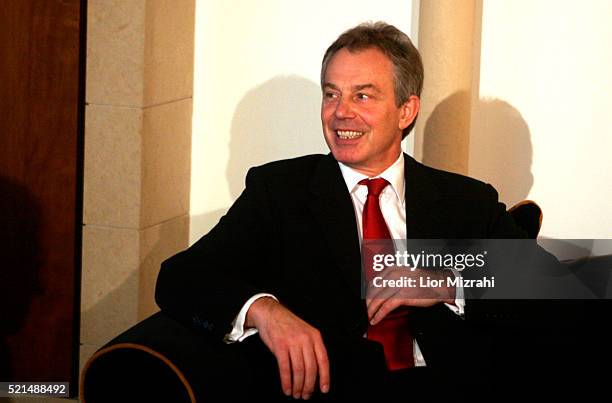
x=42, y=53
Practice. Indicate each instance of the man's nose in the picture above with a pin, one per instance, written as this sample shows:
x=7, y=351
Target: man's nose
x=344, y=109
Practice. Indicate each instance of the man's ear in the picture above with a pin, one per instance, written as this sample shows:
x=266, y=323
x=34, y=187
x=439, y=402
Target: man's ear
x=409, y=111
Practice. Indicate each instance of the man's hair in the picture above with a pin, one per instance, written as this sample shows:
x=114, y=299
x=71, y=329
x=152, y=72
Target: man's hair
x=407, y=64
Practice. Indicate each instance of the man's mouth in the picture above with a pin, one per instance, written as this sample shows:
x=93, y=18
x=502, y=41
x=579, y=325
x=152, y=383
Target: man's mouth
x=349, y=134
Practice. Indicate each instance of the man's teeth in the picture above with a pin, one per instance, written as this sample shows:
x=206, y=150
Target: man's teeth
x=348, y=134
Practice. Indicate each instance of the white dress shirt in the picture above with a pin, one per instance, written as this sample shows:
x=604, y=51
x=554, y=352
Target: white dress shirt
x=392, y=205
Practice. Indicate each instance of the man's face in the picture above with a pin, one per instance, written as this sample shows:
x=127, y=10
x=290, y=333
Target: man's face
x=361, y=122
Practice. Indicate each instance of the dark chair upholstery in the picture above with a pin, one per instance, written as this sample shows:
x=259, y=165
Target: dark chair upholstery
x=528, y=216
x=158, y=359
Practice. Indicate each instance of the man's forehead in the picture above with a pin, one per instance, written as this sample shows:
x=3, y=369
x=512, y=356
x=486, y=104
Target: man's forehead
x=366, y=68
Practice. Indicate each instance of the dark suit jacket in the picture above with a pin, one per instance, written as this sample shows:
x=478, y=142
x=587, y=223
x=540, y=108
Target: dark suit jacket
x=293, y=233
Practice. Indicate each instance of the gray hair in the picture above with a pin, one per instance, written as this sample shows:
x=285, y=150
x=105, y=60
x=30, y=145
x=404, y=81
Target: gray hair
x=396, y=45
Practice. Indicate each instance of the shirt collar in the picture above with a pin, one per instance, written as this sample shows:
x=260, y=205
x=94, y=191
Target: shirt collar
x=394, y=175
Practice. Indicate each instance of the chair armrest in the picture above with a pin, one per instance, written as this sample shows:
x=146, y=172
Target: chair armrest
x=157, y=359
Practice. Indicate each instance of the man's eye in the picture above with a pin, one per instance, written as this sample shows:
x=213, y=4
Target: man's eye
x=331, y=95
x=362, y=96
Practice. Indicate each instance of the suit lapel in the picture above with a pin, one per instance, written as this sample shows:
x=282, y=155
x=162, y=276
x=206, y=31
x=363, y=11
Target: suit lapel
x=422, y=201
x=332, y=209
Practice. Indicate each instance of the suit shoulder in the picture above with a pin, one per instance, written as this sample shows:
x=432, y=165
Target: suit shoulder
x=294, y=169
x=454, y=184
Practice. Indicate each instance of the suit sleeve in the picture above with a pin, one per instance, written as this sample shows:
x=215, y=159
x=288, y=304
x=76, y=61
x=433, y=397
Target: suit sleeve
x=501, y=225
x=432, y=326
x=206, y=285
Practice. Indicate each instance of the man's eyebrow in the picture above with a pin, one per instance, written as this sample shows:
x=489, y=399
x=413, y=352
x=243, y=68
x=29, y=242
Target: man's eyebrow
x=359, y=87
x=365, y=87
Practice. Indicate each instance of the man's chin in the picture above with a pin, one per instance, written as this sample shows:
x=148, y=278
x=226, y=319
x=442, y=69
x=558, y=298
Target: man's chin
x=350, y=161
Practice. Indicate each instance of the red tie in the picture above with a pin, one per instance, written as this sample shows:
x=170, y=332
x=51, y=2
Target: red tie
x=392, y=332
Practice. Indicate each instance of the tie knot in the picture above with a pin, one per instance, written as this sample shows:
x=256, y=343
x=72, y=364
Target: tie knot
x=375, y=186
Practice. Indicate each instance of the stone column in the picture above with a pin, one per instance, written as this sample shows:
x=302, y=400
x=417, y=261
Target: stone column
x=139, y=83
x=447, y=44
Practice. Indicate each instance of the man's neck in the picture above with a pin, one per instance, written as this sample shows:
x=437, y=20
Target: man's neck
x=373, y=172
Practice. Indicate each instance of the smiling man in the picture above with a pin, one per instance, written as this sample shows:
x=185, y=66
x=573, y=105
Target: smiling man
x=289, y=319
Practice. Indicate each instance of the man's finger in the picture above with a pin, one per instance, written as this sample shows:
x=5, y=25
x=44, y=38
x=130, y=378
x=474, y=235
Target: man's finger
x=323, y=364
x=373, y=306
x=373, y=292
x=310, y=372
x=297, y=370
x=388, y=306
x=284, y=367
x=382, y=292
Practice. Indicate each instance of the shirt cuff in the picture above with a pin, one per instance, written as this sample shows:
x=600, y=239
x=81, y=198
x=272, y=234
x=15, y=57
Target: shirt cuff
x=459, y=306
x=238, y=332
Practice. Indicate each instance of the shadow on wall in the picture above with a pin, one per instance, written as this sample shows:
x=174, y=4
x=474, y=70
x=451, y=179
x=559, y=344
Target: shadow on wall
x=130, y=282
x=444, y=143
x=500, y=151
x=20, y=222
x=278, y=119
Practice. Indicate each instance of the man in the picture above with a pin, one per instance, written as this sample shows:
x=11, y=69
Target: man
x=285, y=261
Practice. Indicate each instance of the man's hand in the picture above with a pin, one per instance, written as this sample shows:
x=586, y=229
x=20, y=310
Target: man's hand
x=383, y=299
x=297, y=346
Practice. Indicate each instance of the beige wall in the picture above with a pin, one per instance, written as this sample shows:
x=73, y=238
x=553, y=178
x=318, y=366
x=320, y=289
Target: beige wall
x=137, y=157
x=518, y=94
x=545, y=70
